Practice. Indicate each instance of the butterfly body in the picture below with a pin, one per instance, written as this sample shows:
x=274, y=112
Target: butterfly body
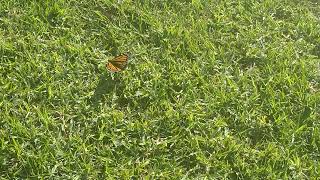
x=117, y=64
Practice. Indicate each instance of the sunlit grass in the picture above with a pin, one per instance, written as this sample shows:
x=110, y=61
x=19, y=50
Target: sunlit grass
x=213, y=89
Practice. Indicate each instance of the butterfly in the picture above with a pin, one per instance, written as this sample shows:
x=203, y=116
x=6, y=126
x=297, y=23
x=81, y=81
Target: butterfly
x=117, y=64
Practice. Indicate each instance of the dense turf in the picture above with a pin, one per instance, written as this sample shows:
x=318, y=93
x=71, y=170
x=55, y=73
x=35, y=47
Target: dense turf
x=213, y=89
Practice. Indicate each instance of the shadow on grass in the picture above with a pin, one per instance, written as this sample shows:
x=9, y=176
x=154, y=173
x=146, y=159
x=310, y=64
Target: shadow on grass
x=105, y=86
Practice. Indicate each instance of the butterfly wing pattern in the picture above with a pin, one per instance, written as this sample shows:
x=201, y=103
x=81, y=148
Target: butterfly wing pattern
x=118, y=63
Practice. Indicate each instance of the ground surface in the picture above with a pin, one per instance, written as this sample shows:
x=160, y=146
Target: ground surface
x=213, y=89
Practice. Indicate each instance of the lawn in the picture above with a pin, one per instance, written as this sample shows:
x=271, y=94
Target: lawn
x=213, y=90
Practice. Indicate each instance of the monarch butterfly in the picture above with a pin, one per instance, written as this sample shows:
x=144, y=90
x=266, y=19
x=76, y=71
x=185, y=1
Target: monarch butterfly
x=118, y=63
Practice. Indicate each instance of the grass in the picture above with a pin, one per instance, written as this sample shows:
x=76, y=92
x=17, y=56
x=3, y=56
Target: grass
x=221, y=89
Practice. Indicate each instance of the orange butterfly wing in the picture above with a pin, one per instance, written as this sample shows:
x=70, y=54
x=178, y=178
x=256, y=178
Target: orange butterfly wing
x=118, y=63
x=112, y=68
